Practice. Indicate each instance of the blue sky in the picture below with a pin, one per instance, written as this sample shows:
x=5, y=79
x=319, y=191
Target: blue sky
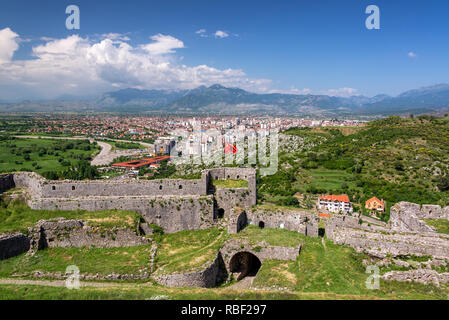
x=265, y=46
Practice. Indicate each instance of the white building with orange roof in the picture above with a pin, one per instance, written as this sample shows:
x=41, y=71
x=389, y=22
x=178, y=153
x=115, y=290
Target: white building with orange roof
x=335, y=203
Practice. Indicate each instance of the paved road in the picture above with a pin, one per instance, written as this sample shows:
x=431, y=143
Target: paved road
x=106, y=155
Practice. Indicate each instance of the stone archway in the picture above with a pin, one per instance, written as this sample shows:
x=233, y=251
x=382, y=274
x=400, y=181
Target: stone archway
x=245, y=264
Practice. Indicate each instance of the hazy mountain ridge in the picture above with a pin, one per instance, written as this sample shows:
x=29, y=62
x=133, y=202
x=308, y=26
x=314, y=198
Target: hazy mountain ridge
x=220, y=99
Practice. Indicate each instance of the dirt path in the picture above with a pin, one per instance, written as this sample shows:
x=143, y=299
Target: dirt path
x=61, y=283
x=324, y=243
x=245, y=283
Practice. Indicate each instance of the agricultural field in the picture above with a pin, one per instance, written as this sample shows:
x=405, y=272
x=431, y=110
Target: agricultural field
x=41, y=155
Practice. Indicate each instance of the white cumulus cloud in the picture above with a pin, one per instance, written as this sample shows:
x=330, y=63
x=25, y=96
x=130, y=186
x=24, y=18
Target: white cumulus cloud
x=83, y=66
x=221, y=34
x=411, y=54
x=9, y=43
x=163, y=44
x=340, y=92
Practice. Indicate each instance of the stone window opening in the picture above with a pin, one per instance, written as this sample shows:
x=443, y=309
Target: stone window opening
x=160, y=187
x=180, y=187
x=53, y=188
x=73, y=187
x=220, y=213
x=261, y=224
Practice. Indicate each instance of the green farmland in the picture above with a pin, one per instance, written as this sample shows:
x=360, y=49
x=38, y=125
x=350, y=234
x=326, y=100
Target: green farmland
x=41, y=155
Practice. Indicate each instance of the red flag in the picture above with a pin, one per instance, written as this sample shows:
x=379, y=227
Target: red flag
x=230, y=148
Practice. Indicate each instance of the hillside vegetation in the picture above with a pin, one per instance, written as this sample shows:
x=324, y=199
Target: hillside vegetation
x=395, y=159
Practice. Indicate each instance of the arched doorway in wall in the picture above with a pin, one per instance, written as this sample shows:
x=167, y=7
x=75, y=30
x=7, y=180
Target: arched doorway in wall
x=245, y=264
x=220, y=213
x=321, y=232
x=261, y=224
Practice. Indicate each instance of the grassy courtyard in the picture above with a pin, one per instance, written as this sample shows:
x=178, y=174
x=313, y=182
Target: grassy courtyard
x=441, y=225
x=129, y=260
x=188, y=250
x=229, y=183
x=323, y=270
x=18, y=217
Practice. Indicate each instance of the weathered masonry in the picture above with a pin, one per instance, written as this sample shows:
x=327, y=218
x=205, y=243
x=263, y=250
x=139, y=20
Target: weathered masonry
x=173, y=204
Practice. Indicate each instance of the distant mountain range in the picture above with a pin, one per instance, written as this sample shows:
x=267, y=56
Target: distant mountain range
x=217, y=99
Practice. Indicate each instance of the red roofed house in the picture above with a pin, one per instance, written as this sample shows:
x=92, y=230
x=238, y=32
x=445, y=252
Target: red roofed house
x=374, y=204
x=137, y=164
x=335, y=203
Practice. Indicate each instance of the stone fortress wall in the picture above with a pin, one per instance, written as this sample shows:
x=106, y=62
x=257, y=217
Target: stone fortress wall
x=177, y=205
x=405, y=233
x=6, y=182
x=173, y=204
